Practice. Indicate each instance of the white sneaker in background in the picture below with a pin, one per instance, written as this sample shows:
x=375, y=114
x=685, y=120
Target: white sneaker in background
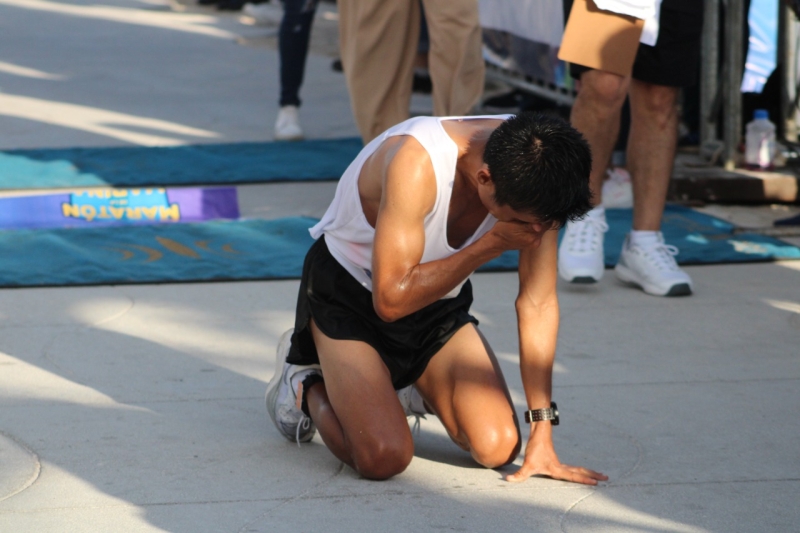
x=263, y=14
x=580, y=254
x=652, y=266
x=287, y=126
x=617, y=189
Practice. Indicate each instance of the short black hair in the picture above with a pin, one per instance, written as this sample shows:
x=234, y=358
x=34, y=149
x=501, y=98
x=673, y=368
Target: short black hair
x=540, y=165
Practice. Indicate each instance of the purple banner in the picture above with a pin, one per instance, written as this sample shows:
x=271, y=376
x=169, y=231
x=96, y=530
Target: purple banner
x=118, y=207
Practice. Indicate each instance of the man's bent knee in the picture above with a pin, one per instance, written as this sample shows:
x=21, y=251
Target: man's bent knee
x=383, y=460
x=496, y=446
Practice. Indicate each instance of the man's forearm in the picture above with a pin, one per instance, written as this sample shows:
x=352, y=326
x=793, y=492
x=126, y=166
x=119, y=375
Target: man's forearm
x=538, y=331
x=428, y=282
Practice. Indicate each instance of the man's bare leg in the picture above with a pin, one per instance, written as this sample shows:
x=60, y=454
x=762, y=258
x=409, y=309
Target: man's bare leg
x=596, y=114
x=651, y=150
x=356, y=409
x=465, y=388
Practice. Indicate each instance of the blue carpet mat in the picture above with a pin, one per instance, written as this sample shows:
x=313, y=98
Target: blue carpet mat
x=274, y=249
x=206, y=251
x=180, y=165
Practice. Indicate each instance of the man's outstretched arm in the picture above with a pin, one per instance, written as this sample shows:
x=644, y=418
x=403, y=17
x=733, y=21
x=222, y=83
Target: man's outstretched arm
x=538, y=317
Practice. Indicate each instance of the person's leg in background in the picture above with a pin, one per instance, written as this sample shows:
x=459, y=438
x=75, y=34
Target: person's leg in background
x=378, y=42
x=646, y=260
x=596, y=114
x=651, y=150
x=659, y=71
x=422, y=77
x=293, y=38
x=455, y=58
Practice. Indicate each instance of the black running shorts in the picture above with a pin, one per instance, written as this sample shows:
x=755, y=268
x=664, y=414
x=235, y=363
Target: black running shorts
x=675, y=59
x=343, y=310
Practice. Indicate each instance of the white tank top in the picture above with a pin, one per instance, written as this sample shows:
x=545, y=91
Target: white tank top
x=348, y=234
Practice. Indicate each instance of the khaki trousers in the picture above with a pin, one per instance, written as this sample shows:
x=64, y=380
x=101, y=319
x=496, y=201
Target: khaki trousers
x=378, y=41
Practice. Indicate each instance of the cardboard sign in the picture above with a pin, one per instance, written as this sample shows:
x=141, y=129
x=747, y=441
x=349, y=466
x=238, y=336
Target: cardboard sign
x=601, y=40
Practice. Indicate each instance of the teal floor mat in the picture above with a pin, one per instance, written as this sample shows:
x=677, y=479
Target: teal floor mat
x=202, y=164
x=274, y=249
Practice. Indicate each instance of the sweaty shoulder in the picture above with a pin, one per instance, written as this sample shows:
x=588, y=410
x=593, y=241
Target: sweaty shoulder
x=398, y=174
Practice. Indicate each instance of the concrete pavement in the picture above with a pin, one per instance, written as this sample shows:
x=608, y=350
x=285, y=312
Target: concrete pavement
x=140, y=408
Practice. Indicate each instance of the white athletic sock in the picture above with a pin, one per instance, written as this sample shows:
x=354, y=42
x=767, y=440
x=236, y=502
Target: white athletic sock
x=645, y=238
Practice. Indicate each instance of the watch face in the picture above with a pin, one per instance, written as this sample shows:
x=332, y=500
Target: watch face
x=539, y=415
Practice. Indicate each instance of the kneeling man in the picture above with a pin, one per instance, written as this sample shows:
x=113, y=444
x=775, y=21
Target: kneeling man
x=383, y=329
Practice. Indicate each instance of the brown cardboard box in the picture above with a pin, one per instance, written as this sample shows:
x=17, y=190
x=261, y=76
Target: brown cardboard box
x=599, y=39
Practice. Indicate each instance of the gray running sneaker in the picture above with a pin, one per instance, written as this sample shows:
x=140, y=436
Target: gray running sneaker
x=412, y=402
x=413, y=405
x=282, y=402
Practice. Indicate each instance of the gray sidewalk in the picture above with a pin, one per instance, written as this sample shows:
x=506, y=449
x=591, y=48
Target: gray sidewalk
x=140, y=408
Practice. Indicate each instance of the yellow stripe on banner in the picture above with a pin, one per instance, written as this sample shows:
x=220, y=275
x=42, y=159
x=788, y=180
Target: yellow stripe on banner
x=178, y=248
x=152, y=254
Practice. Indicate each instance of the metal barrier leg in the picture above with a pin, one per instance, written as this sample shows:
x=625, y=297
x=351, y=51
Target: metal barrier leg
x=732, y=96
x=709, y=74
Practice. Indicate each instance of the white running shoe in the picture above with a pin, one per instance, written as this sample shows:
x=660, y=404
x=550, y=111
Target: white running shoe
x=282, y=401
x=617, y=189
x=653, y=268
x=412, y=404
x=580, y=254
x=287, y=126
x=263, y=14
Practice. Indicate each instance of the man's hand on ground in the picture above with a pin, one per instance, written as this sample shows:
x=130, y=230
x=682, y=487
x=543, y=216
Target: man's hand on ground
x=541, y=459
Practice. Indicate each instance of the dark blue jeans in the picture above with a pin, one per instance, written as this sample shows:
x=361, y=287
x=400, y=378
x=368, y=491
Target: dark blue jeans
x=293, y=38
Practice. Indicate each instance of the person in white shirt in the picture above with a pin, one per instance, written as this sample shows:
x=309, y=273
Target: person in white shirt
x=383, y=329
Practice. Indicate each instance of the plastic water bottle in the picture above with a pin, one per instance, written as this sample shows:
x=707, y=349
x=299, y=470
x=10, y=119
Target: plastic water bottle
x=759, y=143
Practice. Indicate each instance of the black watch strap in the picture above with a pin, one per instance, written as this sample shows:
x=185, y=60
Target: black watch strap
x=539, y=415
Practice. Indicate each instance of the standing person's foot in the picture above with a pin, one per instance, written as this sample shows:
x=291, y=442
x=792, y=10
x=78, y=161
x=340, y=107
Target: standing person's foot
x=650, y=264
x=580, y=254
x=287, y=126
x=282, y=400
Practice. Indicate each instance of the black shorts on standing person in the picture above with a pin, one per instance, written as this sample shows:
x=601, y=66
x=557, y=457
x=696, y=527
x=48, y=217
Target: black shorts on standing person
x=674, y=61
